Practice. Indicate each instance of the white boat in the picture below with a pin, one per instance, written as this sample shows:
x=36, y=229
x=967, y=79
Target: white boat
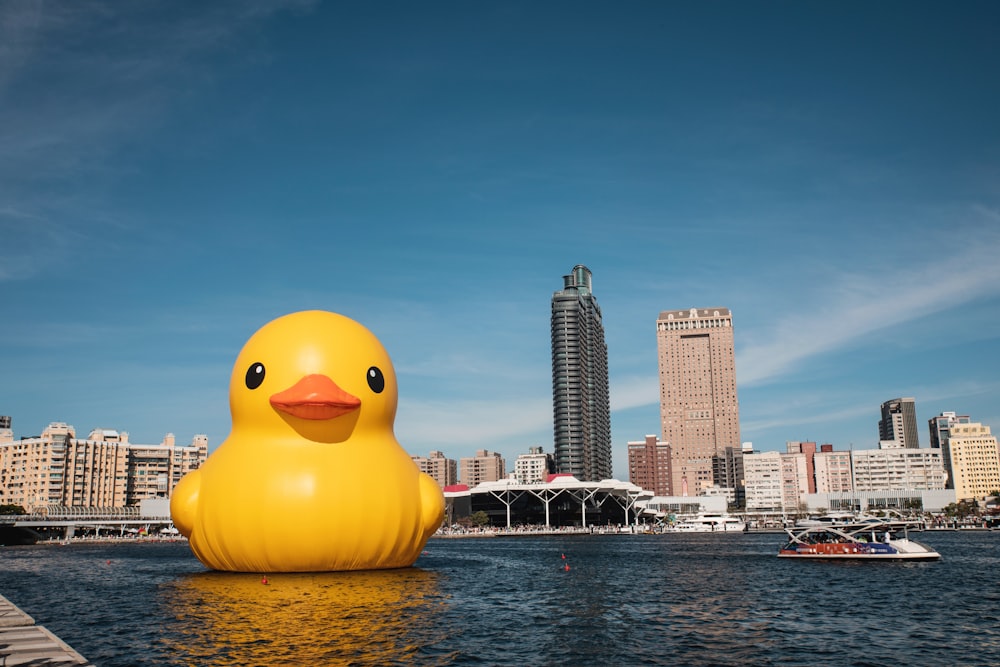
x=862, y=540
x=708, y=523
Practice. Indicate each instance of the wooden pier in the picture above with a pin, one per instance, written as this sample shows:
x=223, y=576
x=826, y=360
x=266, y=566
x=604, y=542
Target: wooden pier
x=24, y=643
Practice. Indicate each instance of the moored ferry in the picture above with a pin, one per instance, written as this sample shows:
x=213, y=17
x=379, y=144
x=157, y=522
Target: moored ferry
x=866, y=540
x=708, y=523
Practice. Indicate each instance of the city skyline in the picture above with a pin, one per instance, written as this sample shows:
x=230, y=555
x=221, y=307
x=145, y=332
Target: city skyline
x=175, y=177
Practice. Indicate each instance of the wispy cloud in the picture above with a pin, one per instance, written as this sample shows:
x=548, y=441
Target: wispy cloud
x=825, y=410
x=854, y=305
x=634, y=392
x=788, y=420
x=508, y=424
x=27, y=234
x=848, y=309
x=77, y=82
x=461, y=423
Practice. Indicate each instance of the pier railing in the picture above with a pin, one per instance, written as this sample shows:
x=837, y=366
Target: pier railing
x=61, y=515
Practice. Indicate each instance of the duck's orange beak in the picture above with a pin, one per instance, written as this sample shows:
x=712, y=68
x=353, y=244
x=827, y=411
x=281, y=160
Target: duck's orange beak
x=315, y=397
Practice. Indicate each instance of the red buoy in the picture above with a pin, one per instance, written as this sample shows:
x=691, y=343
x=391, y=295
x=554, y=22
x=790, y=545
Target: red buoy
x=566, y=568
x=264, y=581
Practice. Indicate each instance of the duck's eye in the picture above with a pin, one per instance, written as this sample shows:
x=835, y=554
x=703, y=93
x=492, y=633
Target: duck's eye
x=255, y=375
x=376, y=380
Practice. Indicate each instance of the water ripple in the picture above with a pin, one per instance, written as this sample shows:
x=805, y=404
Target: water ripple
x=625, y=600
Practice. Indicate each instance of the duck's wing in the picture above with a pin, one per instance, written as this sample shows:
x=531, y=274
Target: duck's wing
x=431, y=503
x=184, y=502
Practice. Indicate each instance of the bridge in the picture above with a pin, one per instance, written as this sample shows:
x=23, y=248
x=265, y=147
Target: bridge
x=67, y=522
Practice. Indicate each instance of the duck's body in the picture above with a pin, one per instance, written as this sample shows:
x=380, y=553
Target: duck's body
x=311, y=478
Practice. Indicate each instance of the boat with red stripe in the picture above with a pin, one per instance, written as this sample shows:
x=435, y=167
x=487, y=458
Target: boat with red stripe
x=865, y=540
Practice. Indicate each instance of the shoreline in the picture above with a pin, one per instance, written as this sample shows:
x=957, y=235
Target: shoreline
x=600, y=533
x=481, y=534
x=65, y=542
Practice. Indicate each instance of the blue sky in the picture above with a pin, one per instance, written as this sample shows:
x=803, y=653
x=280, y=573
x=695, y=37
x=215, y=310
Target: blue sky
x=175, y=175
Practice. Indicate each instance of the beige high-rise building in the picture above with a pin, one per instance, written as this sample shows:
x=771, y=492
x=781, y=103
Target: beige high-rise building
x=485, y=466
x=699, y=410
x=102, y=470
x=441, y=468
x=975, y=461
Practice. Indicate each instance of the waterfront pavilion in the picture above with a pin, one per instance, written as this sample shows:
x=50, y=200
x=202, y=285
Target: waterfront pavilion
x=560, y=501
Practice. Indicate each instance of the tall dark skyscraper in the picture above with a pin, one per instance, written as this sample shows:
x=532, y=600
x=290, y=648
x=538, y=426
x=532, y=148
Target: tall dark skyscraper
x=899, y=422
x=581, y=407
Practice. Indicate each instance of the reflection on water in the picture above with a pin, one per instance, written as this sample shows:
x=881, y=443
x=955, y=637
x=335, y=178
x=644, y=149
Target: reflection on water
x=379, y=617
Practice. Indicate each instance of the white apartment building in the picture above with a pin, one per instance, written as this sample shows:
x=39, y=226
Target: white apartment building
x=898, y=467
x=762, y=476
x=533, y=467
x=775, y=482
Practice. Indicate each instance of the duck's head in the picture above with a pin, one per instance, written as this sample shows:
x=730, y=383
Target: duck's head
x=319, y=373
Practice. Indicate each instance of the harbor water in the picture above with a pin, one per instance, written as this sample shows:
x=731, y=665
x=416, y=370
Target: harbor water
x=682, y=599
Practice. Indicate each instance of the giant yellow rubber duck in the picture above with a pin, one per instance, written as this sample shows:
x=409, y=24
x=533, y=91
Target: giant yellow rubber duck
x=311, y=477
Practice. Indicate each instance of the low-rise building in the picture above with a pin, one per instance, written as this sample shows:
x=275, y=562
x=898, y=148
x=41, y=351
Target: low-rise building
x=649, y=465
x=833, y=471
x=877, y=501
x=774, y=482
x=485, y=466
x=895, y=466
x=560, y=501
x=763, y=482
x=441, y=468
x=727, y=471
x=795, y=481
x=533, y=467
